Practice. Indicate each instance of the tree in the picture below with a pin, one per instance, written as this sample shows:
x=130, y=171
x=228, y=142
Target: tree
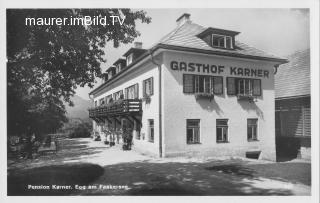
x=47, y=63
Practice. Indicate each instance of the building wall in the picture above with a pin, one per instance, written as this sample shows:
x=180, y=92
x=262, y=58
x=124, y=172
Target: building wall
x=293, y=127
x=179, y=106
x=149, y=111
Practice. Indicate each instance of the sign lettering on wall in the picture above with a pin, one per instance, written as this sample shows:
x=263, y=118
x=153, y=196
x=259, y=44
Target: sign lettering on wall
x=218, y=69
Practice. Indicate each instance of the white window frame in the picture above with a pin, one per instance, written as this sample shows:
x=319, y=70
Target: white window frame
x=245, y=85
x=129, y=59
x=194, y=140
x=223, y=128
x=230, y=46
x=252, y=129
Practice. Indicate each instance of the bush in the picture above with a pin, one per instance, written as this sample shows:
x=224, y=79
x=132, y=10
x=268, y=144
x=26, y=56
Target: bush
x=77, y=128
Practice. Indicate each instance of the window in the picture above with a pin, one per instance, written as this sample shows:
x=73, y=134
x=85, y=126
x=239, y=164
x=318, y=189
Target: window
x=202, y=84
x=243, y=86
x=151, y=130
x=148, y=87
x=129, y=59
x=108, y=98
x=132, y=92
x=221, y=41
x=101, y=101
x=252, y=129
x=193, y=131
x=117, y=95
x=118, y=68
x=222, y=130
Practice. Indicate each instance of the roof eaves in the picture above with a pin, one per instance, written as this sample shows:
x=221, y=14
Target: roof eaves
x=221, y=53
x=120, y=73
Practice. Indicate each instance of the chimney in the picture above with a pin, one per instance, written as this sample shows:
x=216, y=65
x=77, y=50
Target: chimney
x=137, y=45
x=182, y=19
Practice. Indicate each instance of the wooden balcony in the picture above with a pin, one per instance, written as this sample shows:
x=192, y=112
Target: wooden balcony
x=117, y=108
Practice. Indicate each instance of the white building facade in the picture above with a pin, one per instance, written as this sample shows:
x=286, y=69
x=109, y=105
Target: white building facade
x=197, y=92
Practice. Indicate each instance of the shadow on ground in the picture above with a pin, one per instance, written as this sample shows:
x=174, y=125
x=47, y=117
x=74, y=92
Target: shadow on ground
x=61, y=175
x=152, y=177
x=189, y=179
x=68, y=150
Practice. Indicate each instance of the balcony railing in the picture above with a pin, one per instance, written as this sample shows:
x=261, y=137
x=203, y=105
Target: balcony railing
x=121, y=107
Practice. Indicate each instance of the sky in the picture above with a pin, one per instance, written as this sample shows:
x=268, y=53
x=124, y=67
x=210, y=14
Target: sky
x=277, y=31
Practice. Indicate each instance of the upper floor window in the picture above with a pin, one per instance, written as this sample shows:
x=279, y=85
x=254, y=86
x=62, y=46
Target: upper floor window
x=118, y=68
x=243, y=86
x=202, y=84
x=148, y=87
x=117, y=95
x=101, y=101
x=221, y=41
x=129, y=59
x=108, y=98
x=132, y=92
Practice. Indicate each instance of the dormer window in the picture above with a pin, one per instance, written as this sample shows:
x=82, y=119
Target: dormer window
x=129, y=59
x=118, y=68
x=219, y=38
x=222, y=41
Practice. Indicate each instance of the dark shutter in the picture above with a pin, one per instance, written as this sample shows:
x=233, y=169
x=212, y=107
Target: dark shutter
x=256, y=87
x=136, y=91
x=126, y=93
x=144, y=83
x=188, y=83
x=217, y=85
x=231, y=86
x=151, y=88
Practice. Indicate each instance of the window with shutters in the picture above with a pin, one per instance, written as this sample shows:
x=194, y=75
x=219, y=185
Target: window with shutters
x=243, y=86
x=252, y=129
x=108, y=98
x=117, y=95
x=132, y=92
x=101, y=101
x=148, y=87
x=202, y=84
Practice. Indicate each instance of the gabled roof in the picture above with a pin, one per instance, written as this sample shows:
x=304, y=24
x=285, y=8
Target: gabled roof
x=293, y=78
x=186, y=38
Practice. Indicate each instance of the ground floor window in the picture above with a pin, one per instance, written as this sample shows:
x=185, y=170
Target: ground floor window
x=193, y=131
x=252, y=129
x=222, y=130
x=151, y=130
